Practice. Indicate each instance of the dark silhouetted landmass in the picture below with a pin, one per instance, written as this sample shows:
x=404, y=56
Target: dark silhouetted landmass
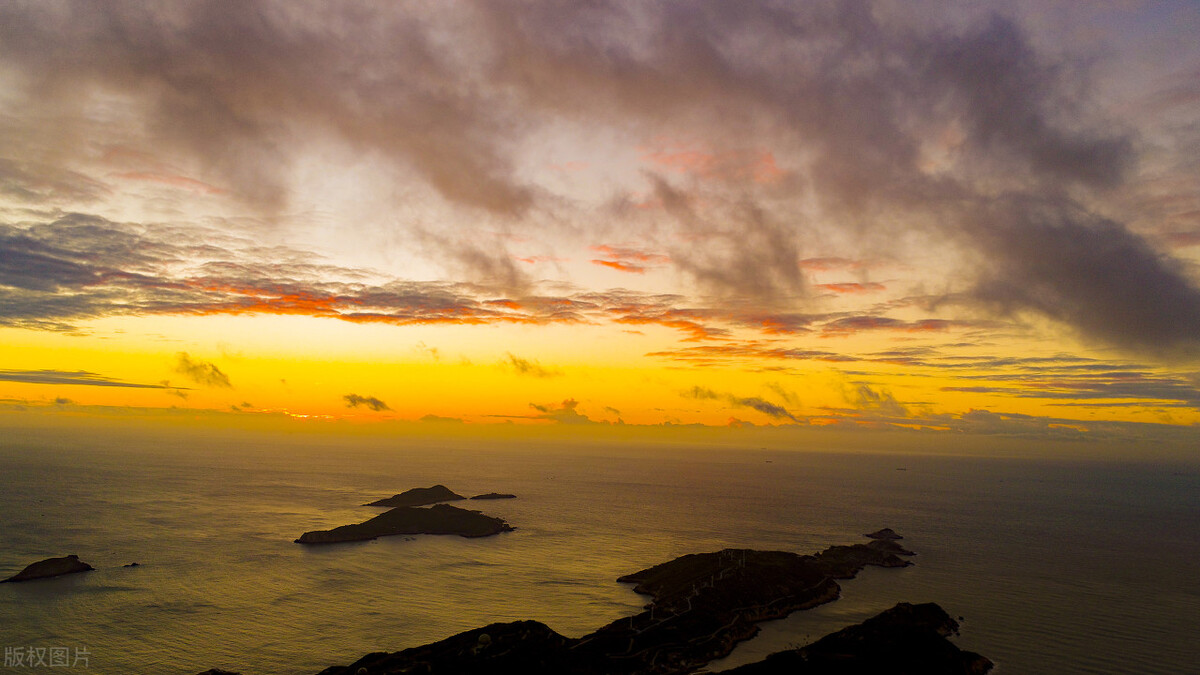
x=437, y=519
x=495, y=495
x=886, y=533
x=517, y=648
x=904, y=640
x=419, y=497
x=702, y=606
x=218, y=671
x=51, y=567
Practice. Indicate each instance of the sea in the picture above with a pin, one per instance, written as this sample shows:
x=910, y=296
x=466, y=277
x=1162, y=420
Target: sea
x=1052, y=565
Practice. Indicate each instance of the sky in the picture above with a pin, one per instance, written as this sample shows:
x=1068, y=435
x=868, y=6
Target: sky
x=948, y=219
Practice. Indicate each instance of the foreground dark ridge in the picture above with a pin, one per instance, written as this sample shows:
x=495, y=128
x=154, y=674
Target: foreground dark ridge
x=702, y=606
x=904, y=640
x=437, y=519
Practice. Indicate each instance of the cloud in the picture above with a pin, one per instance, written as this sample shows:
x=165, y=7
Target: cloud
x=620, y=266
x=58, y=273
x=41, y=184
x=563, y=413
x=829, y=264
x=354, y=401
x=701, y=393
x=80, y=377
x=735, y=165
x=853, y=287
x=748, y=254
x=531, y=368
x=787, y=396
x=749, y=351
x=1060, y=260
x=1130, y=387
x=766, y=408
x=201, y=372
x=847, y=121
x=881, y=401
x=763, y=406
x=852, y=325
x=225, y=85
x=628, y=259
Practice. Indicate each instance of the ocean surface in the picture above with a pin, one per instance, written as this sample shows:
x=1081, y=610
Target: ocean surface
x=1056, y=566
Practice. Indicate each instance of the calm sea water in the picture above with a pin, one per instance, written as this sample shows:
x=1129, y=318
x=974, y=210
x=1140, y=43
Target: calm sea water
x=1057, y=566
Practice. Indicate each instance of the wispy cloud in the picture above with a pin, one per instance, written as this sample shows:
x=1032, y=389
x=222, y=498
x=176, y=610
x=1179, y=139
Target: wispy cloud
x=355, y=401
x=76, y=377
x=753, y=402
x=624, y=259
x=201, y=372
x=531, y=368
x=876, y=399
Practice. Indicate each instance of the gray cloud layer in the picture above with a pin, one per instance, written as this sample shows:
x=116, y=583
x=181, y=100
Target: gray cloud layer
x=882, y=126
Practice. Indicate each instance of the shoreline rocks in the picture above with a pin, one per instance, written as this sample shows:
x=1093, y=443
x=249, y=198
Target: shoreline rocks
x=49, y=568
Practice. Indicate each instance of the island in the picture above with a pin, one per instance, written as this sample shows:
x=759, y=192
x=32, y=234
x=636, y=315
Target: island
x=437, y=519
x=419, y=497
x=50, y=567
x=495, y=495
x=701, y=606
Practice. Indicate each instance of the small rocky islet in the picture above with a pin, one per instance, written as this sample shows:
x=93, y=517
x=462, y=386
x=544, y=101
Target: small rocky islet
x=437, y=519
x=408, y=515
x=50, y=567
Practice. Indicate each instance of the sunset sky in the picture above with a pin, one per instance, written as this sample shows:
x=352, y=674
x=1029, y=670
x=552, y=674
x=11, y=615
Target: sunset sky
x=973, y=218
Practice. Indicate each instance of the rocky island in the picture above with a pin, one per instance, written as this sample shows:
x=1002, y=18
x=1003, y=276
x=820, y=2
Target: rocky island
x=906, y=639
x=419, y=497
x=50, y=567
x=702, y=606
x=437, y=519
x=495, y=495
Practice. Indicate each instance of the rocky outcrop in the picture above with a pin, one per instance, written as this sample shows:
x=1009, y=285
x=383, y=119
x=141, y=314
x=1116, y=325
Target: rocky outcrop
x=495, y=495
x=419, y=497
x=843, y=562
x=437, y=519
x=886, y=533
x=51, y=567
x=702, y=606
x=904, y=640
x=517, y=648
